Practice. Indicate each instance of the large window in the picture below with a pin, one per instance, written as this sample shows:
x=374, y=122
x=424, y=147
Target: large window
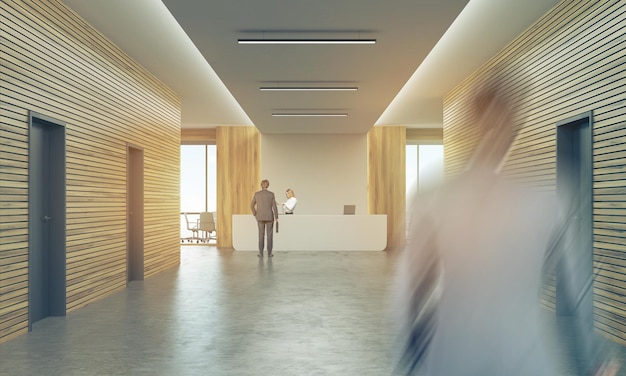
x=198, y=183
x=424, y=169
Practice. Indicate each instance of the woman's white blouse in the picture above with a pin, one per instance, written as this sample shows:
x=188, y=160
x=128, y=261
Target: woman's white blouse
x=290, y=204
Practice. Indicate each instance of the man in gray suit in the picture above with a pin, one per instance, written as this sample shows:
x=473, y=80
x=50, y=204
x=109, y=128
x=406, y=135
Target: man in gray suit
x=263, y=207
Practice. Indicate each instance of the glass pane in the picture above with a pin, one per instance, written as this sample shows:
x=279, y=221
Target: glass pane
x=192, y=178
x=192, y=184
x=431, y=165
x=424, y=169
x=211, y=178
x=411, y=171
x=411, y=180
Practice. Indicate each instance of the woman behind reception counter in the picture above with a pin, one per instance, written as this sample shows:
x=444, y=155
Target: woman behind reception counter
x=290, y=204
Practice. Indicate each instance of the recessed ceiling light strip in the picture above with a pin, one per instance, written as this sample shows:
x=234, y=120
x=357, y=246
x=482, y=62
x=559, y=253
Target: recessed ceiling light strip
x=305, y=88
x=306, y=41
x=320, y=114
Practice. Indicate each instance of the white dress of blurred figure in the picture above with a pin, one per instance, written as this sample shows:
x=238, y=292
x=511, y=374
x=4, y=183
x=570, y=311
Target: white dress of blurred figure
x=491, y=236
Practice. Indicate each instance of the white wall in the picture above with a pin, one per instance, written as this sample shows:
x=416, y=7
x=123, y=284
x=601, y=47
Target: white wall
x=325, y=171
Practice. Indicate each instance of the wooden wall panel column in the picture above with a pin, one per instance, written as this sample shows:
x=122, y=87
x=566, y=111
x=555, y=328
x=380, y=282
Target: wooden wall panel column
x=386, y=179
x=54, y=63
x=568, y=63
x=199, y=136
x=238, y=176
x=424, y=134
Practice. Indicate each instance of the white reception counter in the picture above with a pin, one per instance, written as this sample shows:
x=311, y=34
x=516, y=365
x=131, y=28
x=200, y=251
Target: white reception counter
x=315, y=233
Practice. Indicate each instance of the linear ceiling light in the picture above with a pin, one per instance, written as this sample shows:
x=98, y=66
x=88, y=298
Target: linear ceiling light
x=309, y=114
x=306, y=88
x=306, y=41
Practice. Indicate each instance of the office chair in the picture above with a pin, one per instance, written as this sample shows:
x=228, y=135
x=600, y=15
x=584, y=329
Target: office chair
x=191, y=226
x=206, y=224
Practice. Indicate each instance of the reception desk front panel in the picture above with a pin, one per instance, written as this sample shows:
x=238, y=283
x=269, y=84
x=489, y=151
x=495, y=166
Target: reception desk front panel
x=316, y=233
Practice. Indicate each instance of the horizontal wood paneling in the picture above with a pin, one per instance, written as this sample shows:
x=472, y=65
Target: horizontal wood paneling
x=55, y=64
x=569, y=62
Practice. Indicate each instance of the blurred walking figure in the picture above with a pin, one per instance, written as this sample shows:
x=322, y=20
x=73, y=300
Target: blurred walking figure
x=470, y=276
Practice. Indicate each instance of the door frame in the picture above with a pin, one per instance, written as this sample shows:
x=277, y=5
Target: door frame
x=58, y=241
x=131, y=273
x=564, y=151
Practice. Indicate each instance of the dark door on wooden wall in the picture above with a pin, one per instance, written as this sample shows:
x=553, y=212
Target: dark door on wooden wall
x=46, y=199
x=134, y=207
x=574, y=288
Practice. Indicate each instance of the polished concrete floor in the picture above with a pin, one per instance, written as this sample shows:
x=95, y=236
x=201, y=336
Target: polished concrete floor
x=227, y=313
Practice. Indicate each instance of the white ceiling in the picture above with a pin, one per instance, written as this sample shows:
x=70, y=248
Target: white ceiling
x=424, y=48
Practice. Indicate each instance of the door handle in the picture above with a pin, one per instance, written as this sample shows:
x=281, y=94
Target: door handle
x=47, y=218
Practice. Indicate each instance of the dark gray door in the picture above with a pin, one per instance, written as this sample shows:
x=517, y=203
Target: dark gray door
x=134, y=194
x=46, y=218
x=574, y=294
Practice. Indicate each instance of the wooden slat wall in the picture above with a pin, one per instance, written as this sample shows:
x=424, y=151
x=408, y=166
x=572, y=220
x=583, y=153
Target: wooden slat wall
x=569, y=62
x=386, y=179
x=238, y=175
x=54, y=63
